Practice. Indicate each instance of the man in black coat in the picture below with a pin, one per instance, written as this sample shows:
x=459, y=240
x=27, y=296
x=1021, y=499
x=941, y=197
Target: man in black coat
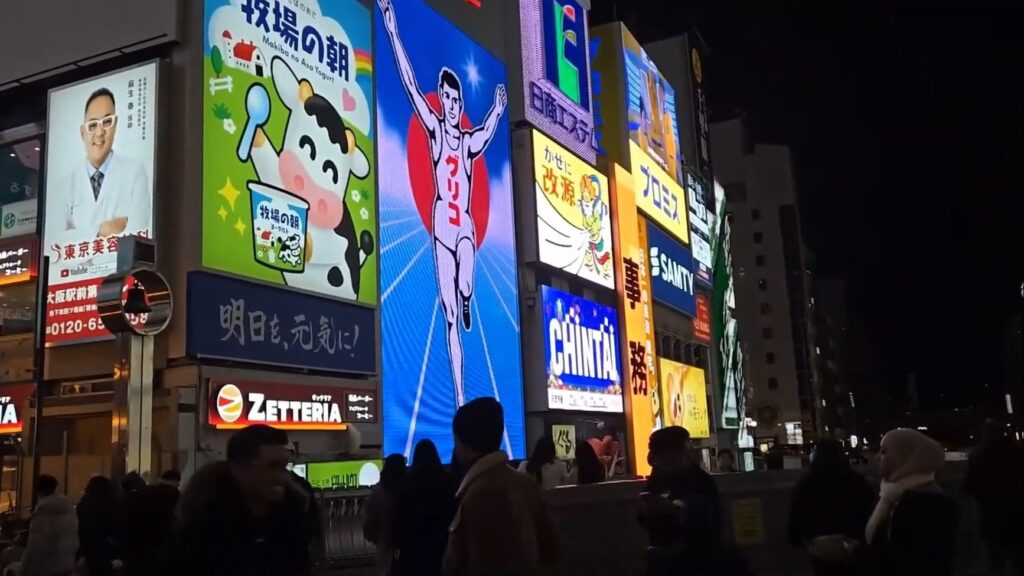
x=246, y=516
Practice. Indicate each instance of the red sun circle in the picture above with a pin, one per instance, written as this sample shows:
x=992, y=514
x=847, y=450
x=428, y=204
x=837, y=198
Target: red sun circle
x=421, y=175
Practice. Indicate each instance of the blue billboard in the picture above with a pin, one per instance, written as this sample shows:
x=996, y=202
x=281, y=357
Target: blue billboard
x=581, y=352
x=449, y=302
x=233, y=319
x=671, y=272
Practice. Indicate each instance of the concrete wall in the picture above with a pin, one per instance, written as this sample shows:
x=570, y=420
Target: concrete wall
x=40, y=38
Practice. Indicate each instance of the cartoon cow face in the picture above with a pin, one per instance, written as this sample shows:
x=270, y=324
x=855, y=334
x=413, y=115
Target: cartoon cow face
x=319, y=152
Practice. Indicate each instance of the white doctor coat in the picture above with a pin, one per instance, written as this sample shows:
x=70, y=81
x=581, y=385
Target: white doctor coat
x=75, y=215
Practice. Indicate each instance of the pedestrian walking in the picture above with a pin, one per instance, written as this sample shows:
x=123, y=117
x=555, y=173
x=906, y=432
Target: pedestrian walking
x=148, y=525
x=501, y=526
x=682, y=512
x=994, y=479
x=97, y=526
x=52, y=533
x=380, y=510
x=589, y=469
x=543, y=467
x=829, y=511
x=423, y=513
x=237, y=518
x=913, y=527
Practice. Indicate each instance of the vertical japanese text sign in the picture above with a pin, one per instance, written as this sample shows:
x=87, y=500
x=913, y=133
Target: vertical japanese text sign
x=643, y=399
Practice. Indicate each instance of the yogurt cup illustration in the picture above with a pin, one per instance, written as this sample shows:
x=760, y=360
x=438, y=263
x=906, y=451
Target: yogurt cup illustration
x=279, y=221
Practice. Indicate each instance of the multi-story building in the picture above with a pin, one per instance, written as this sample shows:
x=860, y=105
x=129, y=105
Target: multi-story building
x=773, y=284
x=838, y=403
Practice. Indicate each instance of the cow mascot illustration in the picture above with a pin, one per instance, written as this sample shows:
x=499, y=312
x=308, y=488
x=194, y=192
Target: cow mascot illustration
x=318, y=155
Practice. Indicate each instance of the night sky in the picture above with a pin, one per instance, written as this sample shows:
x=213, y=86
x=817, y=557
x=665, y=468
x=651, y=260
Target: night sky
x=905, y=124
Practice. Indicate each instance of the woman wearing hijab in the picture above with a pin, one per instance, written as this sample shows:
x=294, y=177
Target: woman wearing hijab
x=913, y=527
x=829, y=510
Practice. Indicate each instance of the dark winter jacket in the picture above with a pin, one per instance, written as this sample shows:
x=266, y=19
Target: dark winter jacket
x=97, y=532
x=148, y=526
x=830, y=501
x=919, y=537
x=219, y=536
x=422, y=516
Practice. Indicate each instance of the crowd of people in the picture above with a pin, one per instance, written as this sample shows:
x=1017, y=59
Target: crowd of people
x=251, y=516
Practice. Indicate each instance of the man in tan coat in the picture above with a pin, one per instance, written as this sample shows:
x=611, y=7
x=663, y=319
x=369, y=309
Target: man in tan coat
x=502, y=527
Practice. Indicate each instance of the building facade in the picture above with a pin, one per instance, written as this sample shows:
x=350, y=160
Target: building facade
x=773, y=284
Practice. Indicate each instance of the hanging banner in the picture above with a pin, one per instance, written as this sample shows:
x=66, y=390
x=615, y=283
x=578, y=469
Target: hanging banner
x=564, y=437
x=643, y=398
x=100, y=152
x=288, y=162
x=581, y=353
x=574, y=225
x=702, y=130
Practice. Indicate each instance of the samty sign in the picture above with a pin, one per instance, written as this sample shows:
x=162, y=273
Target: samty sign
x=284, y=406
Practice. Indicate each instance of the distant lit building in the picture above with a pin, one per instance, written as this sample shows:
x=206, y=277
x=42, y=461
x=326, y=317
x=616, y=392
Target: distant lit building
x=773, y=284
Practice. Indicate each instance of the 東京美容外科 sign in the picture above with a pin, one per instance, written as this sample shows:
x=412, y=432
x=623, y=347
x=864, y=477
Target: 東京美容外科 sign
x=700, y=228
x=100, y=156
x=671, y=272
x=288, y=406
x=238, y=320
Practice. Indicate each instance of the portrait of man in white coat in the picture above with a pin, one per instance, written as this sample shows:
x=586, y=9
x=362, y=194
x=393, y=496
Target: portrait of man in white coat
x=107, y=192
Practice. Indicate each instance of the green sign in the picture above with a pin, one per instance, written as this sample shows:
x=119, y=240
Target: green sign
x=348, y=475
x=289, y=182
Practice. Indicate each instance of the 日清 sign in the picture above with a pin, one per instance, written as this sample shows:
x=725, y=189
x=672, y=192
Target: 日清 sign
x=581, y=353
x=574, y=225
x=700, y=228
x=234, y=405
x=556, y=72
x=18, y=260
x=671, y=272
x=12, y=402
x=658, y=195
x=237, y=320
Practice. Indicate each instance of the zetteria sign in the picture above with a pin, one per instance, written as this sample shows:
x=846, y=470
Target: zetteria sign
x=285, y=406
x=237, y=320
x=582, y=353
x=671, y=272
x=12, y=401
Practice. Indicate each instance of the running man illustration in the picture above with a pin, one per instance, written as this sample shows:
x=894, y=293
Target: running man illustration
x=453, y=150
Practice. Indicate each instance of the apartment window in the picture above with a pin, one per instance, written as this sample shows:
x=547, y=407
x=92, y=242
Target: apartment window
x=767, y=333
x=769, y=358
x=759, y=260
x=766, y=308
x=758, y=237
x=773, y=383
x=762, y=285
x=755, y=214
